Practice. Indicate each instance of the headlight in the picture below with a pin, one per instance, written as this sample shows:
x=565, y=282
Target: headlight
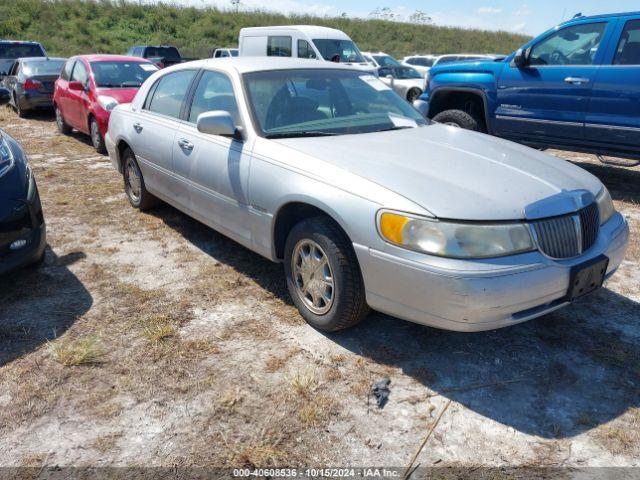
x=454, y=240
x=106, y=102
x=605, y=205
x=6, y=156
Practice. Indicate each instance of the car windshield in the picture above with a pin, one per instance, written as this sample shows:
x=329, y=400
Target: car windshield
x=386, y=61
x=115, y=74
x=19, y=50
x=344, y=51
x=33, y=68
x=290, y=103
x=165, y=52
x=421, y=61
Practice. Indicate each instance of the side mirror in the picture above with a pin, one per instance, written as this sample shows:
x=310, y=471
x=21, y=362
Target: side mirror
x=218, y=122
x=5, y=96
x=75, y=85
x=521, y=58
x=422, y=107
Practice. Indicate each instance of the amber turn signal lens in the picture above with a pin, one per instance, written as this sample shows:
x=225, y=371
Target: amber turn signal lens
x=391, y=226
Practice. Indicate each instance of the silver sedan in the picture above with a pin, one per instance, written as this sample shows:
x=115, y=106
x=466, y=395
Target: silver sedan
x=367, y=204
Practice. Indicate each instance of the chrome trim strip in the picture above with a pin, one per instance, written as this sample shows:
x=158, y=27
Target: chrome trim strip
x=536, y=120
x=613, y=127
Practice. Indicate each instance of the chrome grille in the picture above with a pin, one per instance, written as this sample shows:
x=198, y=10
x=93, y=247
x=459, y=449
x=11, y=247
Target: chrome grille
x=569, y=235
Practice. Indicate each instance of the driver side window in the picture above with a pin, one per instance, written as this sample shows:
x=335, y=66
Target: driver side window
x=575, y=45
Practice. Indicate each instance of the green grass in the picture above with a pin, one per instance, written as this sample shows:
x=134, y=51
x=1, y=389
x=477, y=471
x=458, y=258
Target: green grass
x=68, y=27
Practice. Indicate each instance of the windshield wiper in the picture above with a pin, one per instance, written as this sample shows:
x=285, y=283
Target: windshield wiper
x=396, y=127
x=299, y=134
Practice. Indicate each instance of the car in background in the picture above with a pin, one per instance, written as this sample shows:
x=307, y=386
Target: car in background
x=405, y=81
x=10, y=50
x=162, y=55
x=381, y=59
x=422, y=63
x=225, y=52
x=575, y=87
x=23, y=235
x=321, y=167
x=464, y=57
x=30, y=81
x=90, y=86
x=301, y=41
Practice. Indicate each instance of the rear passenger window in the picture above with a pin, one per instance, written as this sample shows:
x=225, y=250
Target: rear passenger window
x=214, y=92
x=628, y=52
x=167, y=96
x=279, y=47
x=66, y=71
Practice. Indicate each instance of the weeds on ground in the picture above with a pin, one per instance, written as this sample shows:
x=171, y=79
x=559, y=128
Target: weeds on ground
x=84, y=351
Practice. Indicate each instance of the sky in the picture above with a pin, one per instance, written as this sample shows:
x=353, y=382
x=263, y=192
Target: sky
x=529, y=17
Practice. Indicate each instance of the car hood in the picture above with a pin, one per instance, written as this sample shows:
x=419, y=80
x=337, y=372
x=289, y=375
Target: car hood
x=457, y=174
x=122, y=95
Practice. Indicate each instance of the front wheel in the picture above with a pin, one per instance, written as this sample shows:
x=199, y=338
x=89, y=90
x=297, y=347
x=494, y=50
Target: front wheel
x=458, y=118
x=323, y=275
x=134, y=186
x=96, y=137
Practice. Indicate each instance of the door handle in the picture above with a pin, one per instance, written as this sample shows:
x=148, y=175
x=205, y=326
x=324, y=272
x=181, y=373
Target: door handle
x=576, y=80
x=185, y=144
x=137, y=127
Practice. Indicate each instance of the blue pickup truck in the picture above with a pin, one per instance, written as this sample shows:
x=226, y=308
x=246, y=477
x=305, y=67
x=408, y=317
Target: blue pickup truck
x=575, y=87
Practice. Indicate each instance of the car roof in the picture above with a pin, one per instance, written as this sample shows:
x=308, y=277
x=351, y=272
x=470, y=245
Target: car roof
x=29, y=42
x=311, y=30
x=40, y=59
x=103, y=57
x=261, y=64
x=605, y=15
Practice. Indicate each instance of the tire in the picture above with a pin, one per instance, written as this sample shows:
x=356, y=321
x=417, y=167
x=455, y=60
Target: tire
x=413, y=95
x=320, y=239
x=63, y=127
x=134, y=187
x=21, y=112
x=458, y=118
x=97, y=140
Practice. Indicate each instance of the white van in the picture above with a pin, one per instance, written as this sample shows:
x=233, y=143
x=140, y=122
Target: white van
x=301, y=41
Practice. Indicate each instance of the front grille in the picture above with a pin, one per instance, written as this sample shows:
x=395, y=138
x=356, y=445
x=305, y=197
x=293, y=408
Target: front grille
x=569, y=235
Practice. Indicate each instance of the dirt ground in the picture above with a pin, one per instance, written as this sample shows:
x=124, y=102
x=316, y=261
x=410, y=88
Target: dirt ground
x=151, y=340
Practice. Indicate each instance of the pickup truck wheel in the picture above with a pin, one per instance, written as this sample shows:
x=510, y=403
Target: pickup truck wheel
x=323, y=275
x=458, y=118
x=96, y=136
x=134, y=187
x=63, y=128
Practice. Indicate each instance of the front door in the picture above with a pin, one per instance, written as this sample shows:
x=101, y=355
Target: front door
x=613, y=117
x=548, y=98
x=213, y=168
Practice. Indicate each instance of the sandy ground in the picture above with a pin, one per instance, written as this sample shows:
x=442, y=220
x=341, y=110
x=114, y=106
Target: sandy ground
x=151, y=340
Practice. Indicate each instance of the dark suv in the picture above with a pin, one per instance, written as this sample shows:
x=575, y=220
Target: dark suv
x=10, y=50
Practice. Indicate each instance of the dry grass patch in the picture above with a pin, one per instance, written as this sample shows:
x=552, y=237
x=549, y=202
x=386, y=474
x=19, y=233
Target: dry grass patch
x=276, y=363
x=303, y=383
x=261, y=453
x=623, y=435
x=231, y=398
x=159, y=328
x=84, y=351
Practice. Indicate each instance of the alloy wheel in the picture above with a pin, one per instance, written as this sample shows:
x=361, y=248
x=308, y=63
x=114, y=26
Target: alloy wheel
x=134, y=185
x=312, y=275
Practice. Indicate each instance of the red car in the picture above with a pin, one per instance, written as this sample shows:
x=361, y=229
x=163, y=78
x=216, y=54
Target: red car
x=90, y=86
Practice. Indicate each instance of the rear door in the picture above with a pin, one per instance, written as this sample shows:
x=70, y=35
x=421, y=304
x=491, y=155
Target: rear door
x=613, y=118
x=153, y=131
x=547, y=100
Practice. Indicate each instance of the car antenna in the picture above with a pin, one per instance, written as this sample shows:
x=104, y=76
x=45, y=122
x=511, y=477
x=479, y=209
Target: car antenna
x=578, y=15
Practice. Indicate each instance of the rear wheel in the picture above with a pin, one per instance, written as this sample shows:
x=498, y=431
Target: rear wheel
x=96, y=137
x=134, y=186
x=458, y=118
x=323, y=275
x=21, y=112
x=63, y=128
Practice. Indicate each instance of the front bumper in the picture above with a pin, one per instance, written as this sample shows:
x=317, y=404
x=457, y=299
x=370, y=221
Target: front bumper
x=470, y=296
